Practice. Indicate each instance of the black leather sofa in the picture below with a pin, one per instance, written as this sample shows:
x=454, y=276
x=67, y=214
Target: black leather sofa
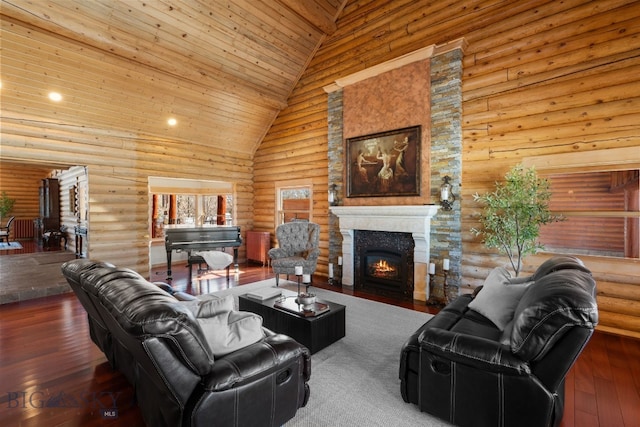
x=155, y=340
x=461, y=367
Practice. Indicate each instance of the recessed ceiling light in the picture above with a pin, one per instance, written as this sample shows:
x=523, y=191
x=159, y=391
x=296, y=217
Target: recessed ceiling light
x=172, y=122
x=55, y=96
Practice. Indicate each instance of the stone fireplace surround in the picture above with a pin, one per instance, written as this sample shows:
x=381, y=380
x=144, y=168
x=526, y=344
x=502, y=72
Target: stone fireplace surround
x=414, y=219
x=444, y=152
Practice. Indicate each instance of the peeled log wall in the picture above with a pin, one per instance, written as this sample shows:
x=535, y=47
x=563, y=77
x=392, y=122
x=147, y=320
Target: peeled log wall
x=539, y=78
x=118, y=167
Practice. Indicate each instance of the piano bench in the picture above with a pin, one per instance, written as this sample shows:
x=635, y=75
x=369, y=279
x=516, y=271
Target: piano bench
x=199, y=260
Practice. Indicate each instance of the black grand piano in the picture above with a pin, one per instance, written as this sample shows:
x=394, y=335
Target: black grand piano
x=189, y=238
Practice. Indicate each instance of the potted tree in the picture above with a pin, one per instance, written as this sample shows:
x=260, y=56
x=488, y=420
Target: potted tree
x=6, y=204
x=513, y=214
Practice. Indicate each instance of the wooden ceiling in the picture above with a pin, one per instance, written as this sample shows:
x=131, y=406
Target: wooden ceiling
x=222, y=69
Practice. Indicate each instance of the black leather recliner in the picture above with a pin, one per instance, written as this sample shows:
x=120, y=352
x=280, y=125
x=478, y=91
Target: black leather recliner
x=157, y=343
x=98, y=330
x=461, y=368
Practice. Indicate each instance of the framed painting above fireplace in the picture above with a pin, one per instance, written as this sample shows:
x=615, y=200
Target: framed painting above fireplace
x=384, y=164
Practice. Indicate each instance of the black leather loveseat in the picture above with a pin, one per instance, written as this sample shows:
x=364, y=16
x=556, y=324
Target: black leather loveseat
x=506, y=366
x=158, y=343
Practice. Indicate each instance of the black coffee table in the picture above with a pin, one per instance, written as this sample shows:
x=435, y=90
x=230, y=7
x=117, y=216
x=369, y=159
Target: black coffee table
x=314, y=332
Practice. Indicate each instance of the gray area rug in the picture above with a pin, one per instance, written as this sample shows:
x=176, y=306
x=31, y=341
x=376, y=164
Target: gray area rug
x=354, y=382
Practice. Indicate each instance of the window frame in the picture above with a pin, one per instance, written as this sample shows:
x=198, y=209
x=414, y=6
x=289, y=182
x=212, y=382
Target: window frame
x=190, y=187
x=304, y=184
x=617, y=159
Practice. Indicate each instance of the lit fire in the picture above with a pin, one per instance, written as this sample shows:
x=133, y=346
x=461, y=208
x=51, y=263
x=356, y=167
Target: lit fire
x=382, y=269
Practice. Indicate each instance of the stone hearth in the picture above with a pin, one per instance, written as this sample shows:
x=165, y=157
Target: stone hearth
x=414, y=219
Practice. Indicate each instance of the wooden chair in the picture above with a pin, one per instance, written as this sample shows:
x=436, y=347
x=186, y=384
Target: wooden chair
x=6, y=230
x=51, y=239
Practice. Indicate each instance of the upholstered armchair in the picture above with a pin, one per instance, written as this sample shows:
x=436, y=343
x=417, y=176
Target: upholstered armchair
x=297, y=246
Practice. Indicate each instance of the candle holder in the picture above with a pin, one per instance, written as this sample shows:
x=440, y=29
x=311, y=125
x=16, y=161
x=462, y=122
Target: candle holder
x=330, y=280
x=306, y=281
x=445, y=296
x=305, y=299
x=335, y=274
x=433, y=300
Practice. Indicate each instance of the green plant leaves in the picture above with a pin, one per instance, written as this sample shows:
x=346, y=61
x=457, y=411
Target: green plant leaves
x=6, y=204
x=513, y=214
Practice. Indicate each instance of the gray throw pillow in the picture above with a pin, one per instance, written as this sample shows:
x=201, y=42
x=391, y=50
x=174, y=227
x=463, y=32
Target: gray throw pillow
x=225, y=329
x=499, y=297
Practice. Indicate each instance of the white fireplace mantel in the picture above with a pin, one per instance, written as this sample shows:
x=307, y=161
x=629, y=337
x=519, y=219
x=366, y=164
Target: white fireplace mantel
x=414, y=219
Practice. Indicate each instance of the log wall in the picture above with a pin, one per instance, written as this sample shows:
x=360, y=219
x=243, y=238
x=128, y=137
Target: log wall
x=118, y=165
x=540, y=78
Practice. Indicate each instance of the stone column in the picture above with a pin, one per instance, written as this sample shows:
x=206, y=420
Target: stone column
x=446, y=159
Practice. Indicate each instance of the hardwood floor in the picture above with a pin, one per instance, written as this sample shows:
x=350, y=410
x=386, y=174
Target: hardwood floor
x=53, y=375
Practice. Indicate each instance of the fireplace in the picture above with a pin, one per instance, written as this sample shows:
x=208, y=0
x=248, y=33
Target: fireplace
x=383, y=262
x=415, y=220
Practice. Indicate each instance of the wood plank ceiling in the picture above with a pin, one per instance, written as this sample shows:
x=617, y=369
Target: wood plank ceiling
x=222, y=69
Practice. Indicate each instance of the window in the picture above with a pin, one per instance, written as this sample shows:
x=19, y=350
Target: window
x=186, y=209
x=598, y=193
x=182, y=201
x=293, y=201
x=601, y=211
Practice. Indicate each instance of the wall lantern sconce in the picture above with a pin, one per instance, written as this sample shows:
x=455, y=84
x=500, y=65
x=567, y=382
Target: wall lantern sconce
x=333, y=195
x=446, y=195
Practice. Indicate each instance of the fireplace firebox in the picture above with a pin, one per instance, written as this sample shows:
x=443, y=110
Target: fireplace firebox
x=383, y=262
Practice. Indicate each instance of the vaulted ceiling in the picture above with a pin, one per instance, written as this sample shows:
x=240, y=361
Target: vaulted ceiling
x=222, y=69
